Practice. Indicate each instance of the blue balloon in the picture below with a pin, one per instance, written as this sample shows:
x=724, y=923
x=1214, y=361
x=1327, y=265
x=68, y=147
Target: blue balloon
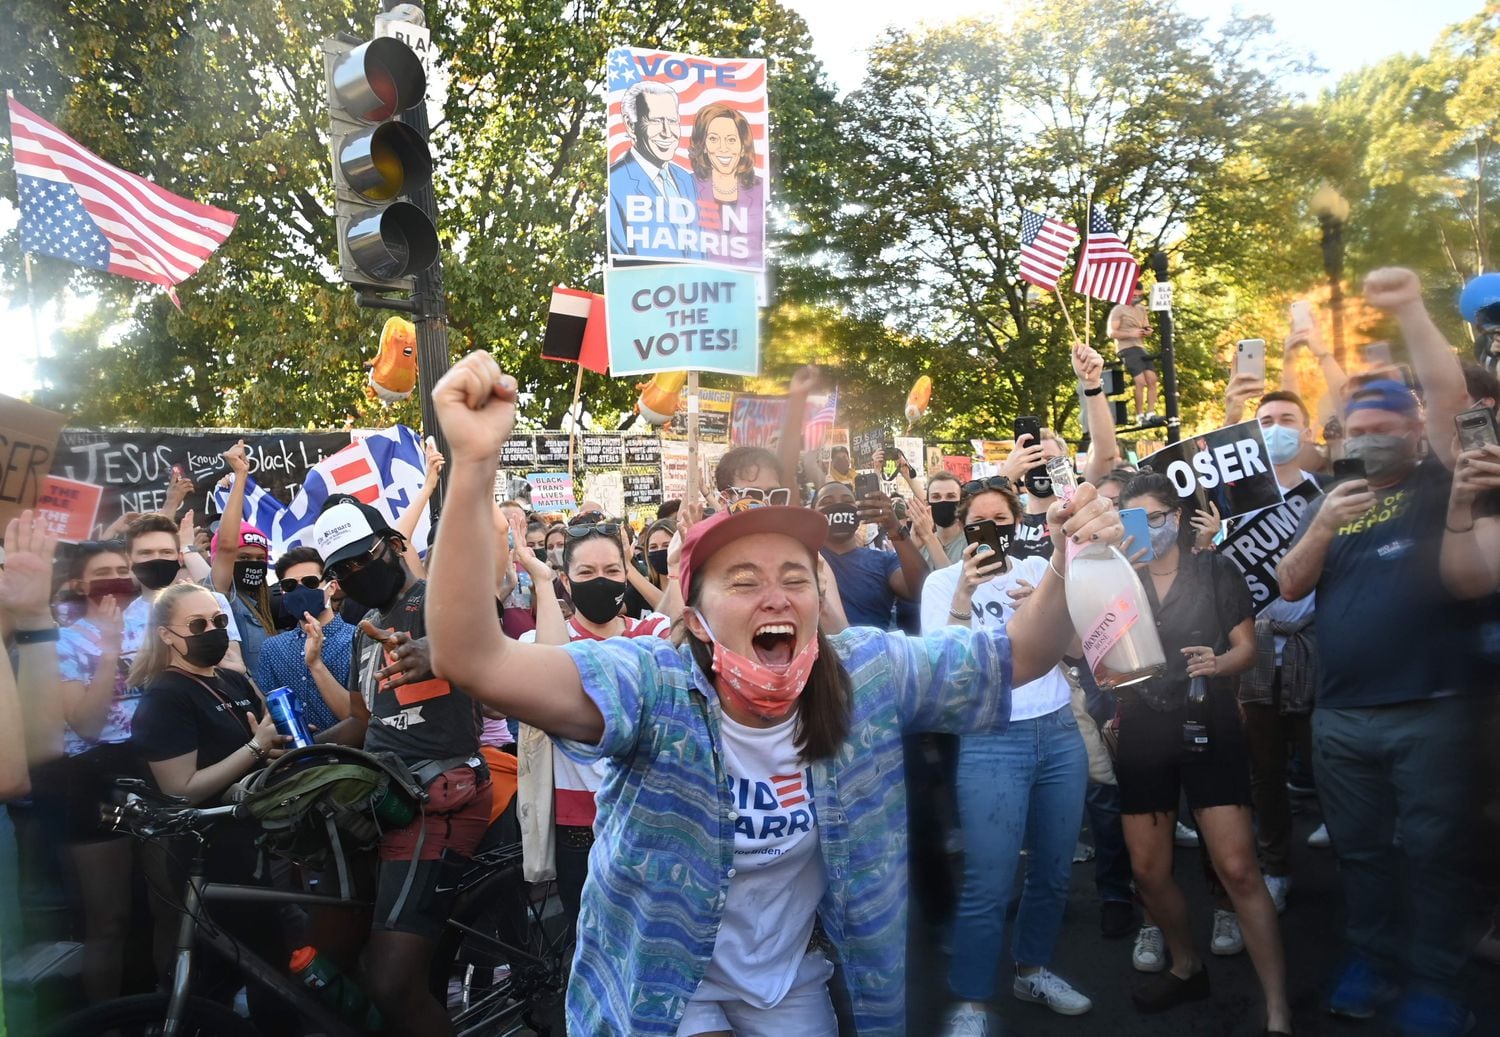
x=1482, y=292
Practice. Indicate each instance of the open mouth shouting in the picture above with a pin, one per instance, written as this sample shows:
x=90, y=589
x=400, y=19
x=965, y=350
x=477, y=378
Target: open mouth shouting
x=775, y=644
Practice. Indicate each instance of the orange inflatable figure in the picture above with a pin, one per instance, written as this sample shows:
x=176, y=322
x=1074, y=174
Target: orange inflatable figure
x=393, y=372
x=917, y=400
x=661, y=397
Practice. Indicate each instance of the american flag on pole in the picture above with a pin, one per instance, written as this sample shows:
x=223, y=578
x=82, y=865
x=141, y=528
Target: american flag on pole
x=1106, y=269
x=821, y=422
x=77, y=207
x=1045, y=244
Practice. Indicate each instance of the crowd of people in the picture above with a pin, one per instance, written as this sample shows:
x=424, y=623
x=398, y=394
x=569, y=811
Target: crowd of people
x=740, y=739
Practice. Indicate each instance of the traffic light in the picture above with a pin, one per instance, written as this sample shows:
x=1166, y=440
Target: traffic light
x=384, y=239
x=1116, y=384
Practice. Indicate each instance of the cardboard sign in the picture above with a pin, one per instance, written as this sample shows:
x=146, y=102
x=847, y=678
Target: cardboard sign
x=688, y=152
x=552, y=491
x=962, y=467
x=1229, y=464
x=28, y=444
x=916, y=456
x=1258, y=544
x=681, y=318
x=608, y=490
x=68, y=508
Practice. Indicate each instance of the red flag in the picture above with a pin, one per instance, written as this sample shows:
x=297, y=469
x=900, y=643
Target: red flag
x=576, y=331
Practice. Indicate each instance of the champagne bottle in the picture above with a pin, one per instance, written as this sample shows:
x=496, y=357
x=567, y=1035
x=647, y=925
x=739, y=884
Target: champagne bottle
x=1113, y=617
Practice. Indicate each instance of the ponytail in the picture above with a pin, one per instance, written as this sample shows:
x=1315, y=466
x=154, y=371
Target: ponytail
x=154, y=655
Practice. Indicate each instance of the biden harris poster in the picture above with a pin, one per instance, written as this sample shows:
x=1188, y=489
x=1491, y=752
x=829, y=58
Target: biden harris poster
x=689, y=170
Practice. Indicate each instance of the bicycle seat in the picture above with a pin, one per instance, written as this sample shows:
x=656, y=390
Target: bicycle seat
x=146, y=791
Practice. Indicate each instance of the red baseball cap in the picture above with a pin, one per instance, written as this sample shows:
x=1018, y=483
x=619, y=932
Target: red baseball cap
x=804, y=525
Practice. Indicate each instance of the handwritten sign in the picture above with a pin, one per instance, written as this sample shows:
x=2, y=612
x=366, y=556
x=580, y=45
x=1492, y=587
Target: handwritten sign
x=1230, y=465
x=960, y=466
x=681, y=318
x=68, y=508
x=864, y=445
x=28, y=442
x=552, y=491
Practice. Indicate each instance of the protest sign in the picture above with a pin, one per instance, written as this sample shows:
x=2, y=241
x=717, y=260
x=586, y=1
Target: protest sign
x=674, y=467
x=688, y=151
x=681, y=318
x=960, y=466
x=642, y=488
x=602, y=451
x=553, y=449
x=552, y=491
x=756, y=420
x=1229, y=464
x=28, y=444
x=607, y=489
x=68, y=508
x=642, y=451
x=134, y=467
x=1258, y=544
x=518, y=451
x=993, y=451
x=911, y=447
x=863, y=446
x=715, y=408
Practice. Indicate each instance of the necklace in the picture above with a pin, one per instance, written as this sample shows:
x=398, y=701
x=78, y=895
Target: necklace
x=1169, y=572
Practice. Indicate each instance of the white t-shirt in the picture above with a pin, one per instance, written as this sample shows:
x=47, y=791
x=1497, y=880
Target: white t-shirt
x=574, y=785
x=993, y=608
x=778, y=876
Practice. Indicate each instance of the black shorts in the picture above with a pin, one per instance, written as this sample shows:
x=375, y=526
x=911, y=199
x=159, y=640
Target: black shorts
x=1153, y=769
x=70, y=791
x=1136, y=361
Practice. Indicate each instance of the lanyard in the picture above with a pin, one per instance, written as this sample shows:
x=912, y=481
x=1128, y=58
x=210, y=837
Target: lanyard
x=217, y=694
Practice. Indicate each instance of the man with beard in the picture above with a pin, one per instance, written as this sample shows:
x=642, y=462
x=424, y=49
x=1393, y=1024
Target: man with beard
x=399, y=706
x=1392, y=727
x=869, y=580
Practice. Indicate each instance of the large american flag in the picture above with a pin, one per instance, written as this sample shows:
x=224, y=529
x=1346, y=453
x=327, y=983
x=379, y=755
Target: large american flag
x=1106, y=269
x=1045, y=244
x=77, y=207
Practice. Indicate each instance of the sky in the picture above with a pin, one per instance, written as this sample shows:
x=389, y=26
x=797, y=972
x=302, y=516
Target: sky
x=1339, y=35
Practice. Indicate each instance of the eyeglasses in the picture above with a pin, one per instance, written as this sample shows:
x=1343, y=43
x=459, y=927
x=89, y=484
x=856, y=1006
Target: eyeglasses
x=198, y=624
x=349, y=566
x=584, y=529
x=1157, y=519
x=312, y=583
x=779, y=497
x=994, y=482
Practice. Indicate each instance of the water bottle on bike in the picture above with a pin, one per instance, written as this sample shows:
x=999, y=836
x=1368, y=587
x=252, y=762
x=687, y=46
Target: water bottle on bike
x=334, y=989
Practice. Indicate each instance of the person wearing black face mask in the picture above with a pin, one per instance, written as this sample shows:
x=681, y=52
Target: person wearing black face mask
x=239, y=568
x=943, y=492
x=312, y=658
x=869, y=580
x=433, y=728
x=594, y=575
x=155, y=556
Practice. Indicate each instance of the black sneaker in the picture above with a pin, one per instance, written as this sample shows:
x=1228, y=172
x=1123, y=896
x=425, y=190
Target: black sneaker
x=1116, y=919
x=1165, y=991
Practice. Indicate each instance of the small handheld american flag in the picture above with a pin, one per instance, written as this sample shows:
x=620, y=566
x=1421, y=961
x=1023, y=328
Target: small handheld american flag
x=1045, y=244
x=1106, y=269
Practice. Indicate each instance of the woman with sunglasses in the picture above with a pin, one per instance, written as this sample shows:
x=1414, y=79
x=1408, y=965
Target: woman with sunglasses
x=1207, y=625
x=753, y=793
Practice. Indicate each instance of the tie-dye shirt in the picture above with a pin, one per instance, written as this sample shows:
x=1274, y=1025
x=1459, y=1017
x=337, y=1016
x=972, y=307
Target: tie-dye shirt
x=663, y=857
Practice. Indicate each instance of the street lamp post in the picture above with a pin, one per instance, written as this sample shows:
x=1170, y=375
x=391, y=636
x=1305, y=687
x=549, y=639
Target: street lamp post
x=1332, y=211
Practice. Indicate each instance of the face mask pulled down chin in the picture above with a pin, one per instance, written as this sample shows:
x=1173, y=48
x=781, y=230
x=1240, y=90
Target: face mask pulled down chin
x=207, y=648
x=843, y=520
x=1039, y=483
x=121, y=588
x=1383, y=455
x=944, y=512
x=1282, y=443
x=598, y=600
x=155, y=574
x=764, y=691
x=376, y=585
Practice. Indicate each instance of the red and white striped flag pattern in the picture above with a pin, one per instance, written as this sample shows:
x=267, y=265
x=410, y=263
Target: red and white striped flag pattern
x=821, y=422
x=1106, y=269
x=78, y=207
x=1045, y=244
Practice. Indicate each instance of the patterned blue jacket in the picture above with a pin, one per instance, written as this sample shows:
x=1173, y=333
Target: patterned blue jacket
x=664, y=853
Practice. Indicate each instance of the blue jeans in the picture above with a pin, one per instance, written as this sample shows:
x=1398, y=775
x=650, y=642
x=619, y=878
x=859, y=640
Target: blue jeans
x=1022, y=788
x=1403, y=769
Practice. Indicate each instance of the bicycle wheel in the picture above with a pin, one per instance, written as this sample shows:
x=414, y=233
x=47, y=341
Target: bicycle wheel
x=143, y=1015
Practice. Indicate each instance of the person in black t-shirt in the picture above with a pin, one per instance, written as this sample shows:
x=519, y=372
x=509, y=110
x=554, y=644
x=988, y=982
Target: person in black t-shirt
x=400, y=707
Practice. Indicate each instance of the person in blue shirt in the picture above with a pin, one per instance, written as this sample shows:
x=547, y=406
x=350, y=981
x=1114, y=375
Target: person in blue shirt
x=753, y=785
x=312, y=660
x=869, y=580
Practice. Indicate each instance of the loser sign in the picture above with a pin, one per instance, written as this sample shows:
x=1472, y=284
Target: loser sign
x=1229, y=464
x=28, y=441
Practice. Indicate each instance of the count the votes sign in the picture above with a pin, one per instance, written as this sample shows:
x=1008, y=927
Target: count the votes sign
x=1229, y=464
x=681, y=318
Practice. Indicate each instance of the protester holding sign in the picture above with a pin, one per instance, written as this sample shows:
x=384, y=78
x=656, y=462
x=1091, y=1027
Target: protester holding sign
x=664, y=944
x=1020, y=789
x=1180, y=732
x=1392, y=729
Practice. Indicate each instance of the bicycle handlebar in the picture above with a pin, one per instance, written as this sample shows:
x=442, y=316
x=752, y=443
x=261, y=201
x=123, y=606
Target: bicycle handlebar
x=147, y=820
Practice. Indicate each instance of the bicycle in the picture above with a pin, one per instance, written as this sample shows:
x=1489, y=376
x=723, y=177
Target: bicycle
x=510, y=1004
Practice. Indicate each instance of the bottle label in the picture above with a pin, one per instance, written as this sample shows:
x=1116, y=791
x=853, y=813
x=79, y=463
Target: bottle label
x=1105, y=632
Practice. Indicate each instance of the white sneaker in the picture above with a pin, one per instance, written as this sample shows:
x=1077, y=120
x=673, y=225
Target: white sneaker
x=966, y=1020
x=1184, y=836
x=1227, y=939
x=1150, y=953
x=1278, y=886
x=1047, y=988
x=1320, y=838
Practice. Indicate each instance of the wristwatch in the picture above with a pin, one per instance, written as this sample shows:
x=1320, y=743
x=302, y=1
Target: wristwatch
x=36, y=637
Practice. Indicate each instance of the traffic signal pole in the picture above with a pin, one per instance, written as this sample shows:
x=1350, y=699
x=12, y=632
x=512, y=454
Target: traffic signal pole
x=1158, y=262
